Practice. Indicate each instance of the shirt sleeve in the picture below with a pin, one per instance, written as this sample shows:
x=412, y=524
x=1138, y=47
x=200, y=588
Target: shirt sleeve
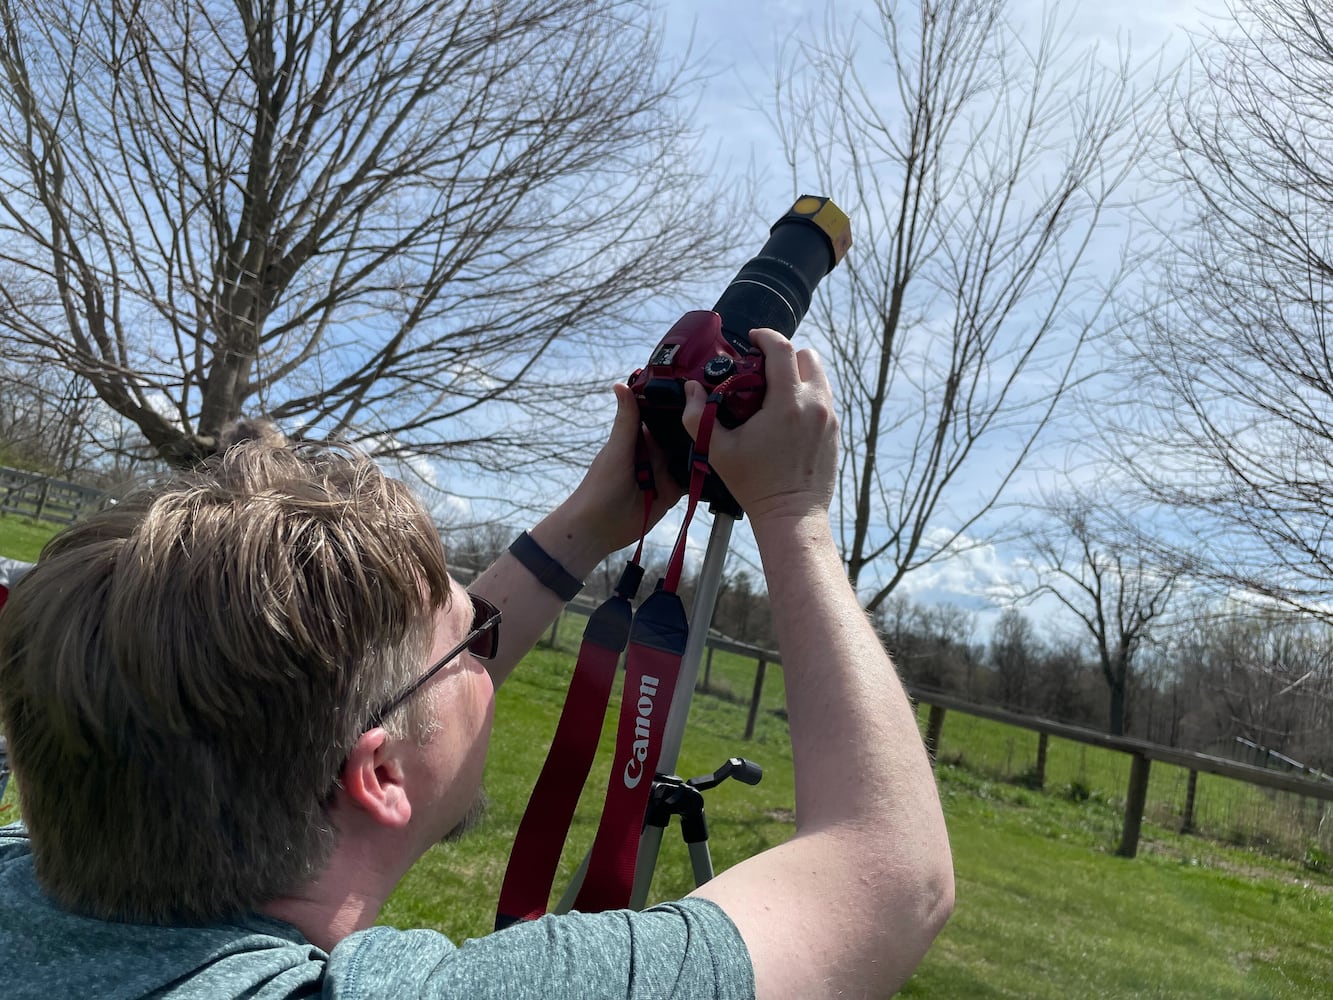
x=687, y=950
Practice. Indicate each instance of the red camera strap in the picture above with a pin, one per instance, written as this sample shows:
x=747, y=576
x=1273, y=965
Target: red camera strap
x=656, y=638
x=657, y=644
x=545, y=825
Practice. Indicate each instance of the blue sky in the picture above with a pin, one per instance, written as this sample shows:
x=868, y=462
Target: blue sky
x=738, y=46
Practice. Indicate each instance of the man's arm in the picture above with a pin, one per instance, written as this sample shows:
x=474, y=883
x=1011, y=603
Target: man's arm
x=850, y=904
x=604, y=514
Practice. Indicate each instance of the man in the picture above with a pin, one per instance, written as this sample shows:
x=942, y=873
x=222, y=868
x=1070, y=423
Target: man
x=242, y=704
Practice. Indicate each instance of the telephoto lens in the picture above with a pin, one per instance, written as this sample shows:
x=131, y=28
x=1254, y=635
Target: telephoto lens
x=774, y=288
x=713, y=347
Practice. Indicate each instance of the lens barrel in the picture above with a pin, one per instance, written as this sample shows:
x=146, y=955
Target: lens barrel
x=775, y=287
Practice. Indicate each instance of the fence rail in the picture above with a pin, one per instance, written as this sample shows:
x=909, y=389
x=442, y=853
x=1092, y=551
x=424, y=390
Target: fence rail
x=1311, y=787
x=30, y=494
x=1141, y=754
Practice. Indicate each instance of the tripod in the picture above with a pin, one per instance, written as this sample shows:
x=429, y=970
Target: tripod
x=676, y=796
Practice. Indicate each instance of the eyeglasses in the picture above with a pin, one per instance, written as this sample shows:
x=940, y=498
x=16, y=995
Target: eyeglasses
x=482, y=641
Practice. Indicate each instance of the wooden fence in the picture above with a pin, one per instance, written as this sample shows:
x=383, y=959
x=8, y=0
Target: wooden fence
x=30, y=494
x=1141, y=753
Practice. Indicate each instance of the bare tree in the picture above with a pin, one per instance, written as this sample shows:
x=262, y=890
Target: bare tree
x=1111, y=583
x=1068, y=685
x=979, y=182
x=1231, y=415
x=363, y=218
x=39, y=421
x=1014, y=654
x=743, y=612
x=52, y=422
x=930, y=644
x=1263, y=678
x=1267, y=680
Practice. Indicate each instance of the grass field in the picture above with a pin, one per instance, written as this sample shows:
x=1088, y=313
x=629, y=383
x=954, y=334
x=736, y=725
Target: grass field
x=1044, y=910
x=22, y=538
x=1278, y=823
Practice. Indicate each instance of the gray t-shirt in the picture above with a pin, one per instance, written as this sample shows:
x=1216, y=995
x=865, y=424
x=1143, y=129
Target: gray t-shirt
x=688, y=950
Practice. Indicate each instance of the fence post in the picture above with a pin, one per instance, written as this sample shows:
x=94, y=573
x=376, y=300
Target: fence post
x=708, y=670
x=1187, y=824
x=934, y=724
x=1043, y=741
x=1134, y=802
x=555, y=625
x=754, y=698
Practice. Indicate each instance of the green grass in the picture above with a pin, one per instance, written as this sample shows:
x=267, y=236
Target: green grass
x=1044, y=908
x=9, y=805
x=22, y=538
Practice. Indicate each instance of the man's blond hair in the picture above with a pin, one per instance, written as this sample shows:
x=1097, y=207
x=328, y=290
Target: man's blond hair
x=182, y=675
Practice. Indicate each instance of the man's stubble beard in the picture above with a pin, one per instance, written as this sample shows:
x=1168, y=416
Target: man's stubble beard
x=471, y=819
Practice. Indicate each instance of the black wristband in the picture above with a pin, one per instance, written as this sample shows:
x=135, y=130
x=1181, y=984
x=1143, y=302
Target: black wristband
x=549, y=573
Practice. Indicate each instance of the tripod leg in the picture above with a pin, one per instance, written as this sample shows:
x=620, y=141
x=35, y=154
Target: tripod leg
x=571, y=892
x=649, y=845
x=701, y=860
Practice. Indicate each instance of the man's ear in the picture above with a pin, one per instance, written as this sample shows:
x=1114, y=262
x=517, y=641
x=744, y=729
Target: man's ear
x=372, y=780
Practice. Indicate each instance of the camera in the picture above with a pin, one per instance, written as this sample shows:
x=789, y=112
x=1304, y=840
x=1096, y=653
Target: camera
x=713, y=347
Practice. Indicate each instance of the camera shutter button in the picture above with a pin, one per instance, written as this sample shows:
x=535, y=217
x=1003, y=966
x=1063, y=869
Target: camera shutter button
x=718, y=368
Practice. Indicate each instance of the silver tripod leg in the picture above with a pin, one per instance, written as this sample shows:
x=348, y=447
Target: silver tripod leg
x=701, y=861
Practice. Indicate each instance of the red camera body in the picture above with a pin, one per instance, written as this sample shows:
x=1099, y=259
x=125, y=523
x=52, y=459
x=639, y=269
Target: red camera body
x=695, y=349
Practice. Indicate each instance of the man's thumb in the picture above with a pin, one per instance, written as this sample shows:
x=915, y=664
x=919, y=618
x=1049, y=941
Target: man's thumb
x=695, y=398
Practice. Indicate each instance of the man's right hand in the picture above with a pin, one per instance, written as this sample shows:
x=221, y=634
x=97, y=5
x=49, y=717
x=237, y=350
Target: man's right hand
x=781, y=463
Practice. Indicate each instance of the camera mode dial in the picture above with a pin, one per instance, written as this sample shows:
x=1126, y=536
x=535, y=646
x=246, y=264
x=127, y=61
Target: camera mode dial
x=718, y=369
